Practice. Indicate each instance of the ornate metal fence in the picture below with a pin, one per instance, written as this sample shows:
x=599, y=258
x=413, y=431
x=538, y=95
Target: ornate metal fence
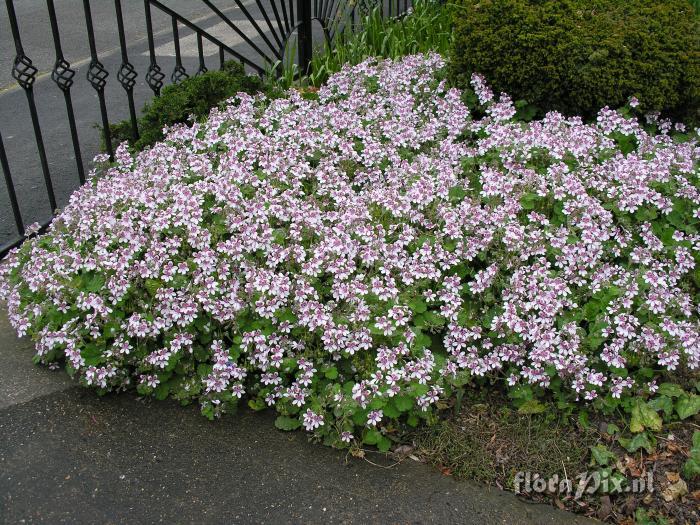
x=263, y=30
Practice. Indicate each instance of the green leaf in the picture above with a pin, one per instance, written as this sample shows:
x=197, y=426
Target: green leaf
x=591, y=310
x=152, y=286
x=384, y=444
x=377, y=403
x=391, y=411
x=457, y=194
x=111, y=329
x=287, y=423
x=531, y=406
x=644, y=416
x=419, y=390
x=640, y=440
x=422, y=341
x=286, y=314
x=688, y=405
x=332, y=373
x=92, y=354
x=204, y=369
x=670, y=390
x=626, y=143
x=372, y=437
x=612, y=429
x=256, y=404
x=691, y=469
x=162, y=391
x=208, y=412
x=664, y=403
x=403, y=403
x=93, y=282
x=360, y=417
x=417, y=305
x=645, y=214
x=91, y=350
x=602, y=455
x=528, y=201
x=434, y=319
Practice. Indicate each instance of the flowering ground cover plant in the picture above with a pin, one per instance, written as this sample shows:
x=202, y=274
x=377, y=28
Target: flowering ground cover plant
x=351, y=258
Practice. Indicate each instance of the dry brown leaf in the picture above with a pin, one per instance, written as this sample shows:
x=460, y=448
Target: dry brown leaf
x=672, y=447
x=673, y=477
x=675, y=491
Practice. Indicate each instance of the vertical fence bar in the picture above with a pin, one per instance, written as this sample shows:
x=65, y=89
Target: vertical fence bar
x=62, y=74
x=97, y=76
x=154, y=75
x=11, y=188
x=304, y=37
x=221, y=57
x=200, y=51
x=179, y=73
x=24, y=72
x=126, y=74
x=287, y=25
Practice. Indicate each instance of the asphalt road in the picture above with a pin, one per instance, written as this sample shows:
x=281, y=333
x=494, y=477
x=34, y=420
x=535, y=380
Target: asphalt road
x=15, y=122
x=68, y=456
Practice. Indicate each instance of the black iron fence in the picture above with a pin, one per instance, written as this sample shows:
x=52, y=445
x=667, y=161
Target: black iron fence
x=262, y=30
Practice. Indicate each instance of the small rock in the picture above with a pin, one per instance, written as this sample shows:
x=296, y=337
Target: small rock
x=605, y=508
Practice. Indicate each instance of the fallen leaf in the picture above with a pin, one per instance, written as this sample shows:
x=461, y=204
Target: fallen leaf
x=673, y=477
x=675, y=491
x=672, y=447
x=447, y=472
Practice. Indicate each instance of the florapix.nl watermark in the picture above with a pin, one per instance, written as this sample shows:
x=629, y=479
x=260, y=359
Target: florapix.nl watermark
x=583, y=483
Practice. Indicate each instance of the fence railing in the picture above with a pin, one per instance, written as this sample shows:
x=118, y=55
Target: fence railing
x=258, y=33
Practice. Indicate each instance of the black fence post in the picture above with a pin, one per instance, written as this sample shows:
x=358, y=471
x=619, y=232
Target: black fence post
x=24, y=72
x=304, y=38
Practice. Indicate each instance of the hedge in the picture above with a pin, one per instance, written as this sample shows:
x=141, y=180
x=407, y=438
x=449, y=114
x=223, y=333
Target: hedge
x=577, y=56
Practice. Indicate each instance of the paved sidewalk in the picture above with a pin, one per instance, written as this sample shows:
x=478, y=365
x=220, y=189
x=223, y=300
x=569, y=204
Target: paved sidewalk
x=68, y=456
